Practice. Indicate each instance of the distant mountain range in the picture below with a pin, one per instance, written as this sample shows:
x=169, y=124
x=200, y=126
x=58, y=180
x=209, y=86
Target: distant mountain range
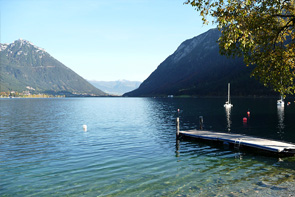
x=196, y=68
x=25, y=66
x=116, y=87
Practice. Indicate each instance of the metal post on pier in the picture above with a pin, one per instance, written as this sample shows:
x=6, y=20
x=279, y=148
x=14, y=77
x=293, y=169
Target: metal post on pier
x=177, y=127
x=201, y=121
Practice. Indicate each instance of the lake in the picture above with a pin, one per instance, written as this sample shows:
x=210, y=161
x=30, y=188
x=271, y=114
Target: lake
x=129, y=148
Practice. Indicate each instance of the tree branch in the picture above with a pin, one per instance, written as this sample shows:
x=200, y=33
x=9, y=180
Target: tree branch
x=283, y=16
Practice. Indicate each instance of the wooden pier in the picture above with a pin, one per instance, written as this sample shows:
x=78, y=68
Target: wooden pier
x=275, y=148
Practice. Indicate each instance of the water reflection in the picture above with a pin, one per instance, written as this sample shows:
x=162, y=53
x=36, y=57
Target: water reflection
x=177, y=146
x=281, y=125
x=228, y=119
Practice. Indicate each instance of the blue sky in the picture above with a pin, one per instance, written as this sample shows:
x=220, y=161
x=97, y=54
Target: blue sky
x=102, y=39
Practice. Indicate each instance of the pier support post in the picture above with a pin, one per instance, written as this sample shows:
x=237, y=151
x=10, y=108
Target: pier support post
x=177, y=127
x=201, y=121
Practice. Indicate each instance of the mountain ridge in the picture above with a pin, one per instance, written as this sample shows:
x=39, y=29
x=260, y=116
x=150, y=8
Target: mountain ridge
x=24, y=64
x=196, y=68
x=118, y=87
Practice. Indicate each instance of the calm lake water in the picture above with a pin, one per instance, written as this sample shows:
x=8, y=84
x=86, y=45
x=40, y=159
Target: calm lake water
x=130, y=148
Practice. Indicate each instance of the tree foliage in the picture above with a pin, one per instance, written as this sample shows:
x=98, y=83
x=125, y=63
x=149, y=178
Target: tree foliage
x=262, y=31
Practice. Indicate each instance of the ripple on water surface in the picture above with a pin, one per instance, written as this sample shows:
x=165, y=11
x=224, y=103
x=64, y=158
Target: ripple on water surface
x=130, y=149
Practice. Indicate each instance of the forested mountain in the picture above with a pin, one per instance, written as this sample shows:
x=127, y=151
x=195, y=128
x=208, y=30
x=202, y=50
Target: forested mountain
x=25, y=66
x=196, y=68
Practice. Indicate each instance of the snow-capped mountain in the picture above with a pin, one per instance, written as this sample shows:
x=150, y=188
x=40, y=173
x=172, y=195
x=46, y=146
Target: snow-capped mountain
x=25, y=65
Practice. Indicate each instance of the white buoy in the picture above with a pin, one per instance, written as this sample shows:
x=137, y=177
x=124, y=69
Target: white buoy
x=85, y=127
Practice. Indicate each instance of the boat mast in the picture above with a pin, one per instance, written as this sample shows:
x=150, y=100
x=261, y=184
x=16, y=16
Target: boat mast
x=228, y=93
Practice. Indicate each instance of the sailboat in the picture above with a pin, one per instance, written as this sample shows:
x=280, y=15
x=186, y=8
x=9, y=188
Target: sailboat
x=227, y=103
x=281, y=102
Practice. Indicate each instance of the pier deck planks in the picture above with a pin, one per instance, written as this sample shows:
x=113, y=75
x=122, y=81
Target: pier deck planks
x=242, y=140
